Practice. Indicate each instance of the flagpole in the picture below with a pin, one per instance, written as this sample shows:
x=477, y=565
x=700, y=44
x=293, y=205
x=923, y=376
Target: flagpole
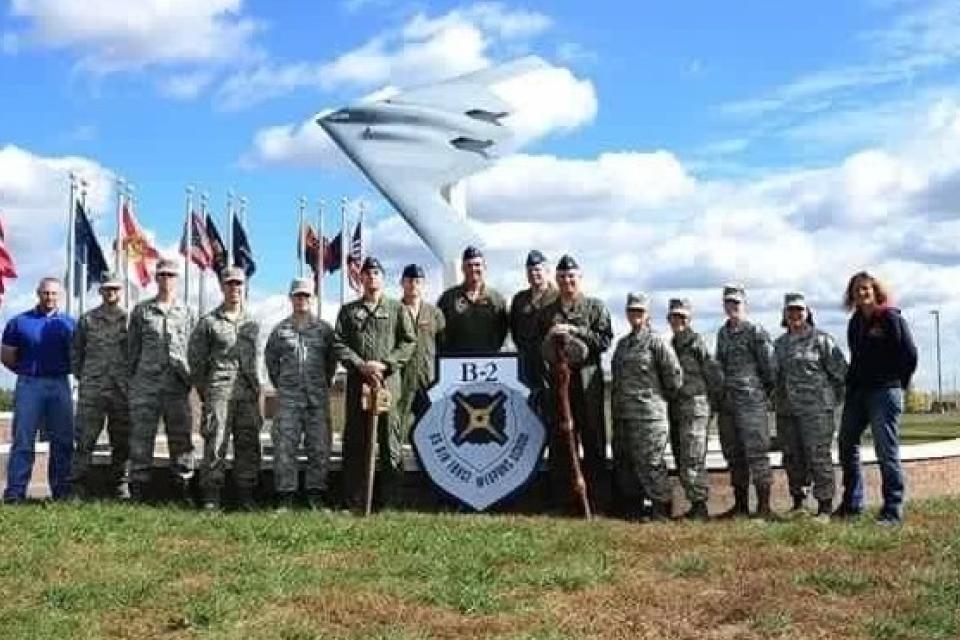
x=243, y=223
x=82, y=303
x=229, y=247
x=343, y=251
x=71, y=229
x=127, y=289
x=363, y=211
x=186, y=254
x=321, y=265
x=301, y=209
x=201, y=300
x=118, y=246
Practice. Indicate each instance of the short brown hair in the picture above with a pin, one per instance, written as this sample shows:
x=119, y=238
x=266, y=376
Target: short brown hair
x=880, y=290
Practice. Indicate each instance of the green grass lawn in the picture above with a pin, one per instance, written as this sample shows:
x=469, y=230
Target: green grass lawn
x=927, y=427
x=116, y=571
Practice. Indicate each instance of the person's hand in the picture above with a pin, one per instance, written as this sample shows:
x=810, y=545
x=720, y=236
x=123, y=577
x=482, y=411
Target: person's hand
x=561, y=329
x=373, y=370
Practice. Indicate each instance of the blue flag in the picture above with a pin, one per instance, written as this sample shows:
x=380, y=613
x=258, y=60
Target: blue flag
x=86, y=251
x=242, y=253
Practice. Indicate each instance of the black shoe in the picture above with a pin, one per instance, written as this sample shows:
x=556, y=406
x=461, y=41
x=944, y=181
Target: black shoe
x=138, y=491
x=316, y=500
x=763, y=504
x=798, y=503
x=846, y=512
x=662, y=511
x=697, y=511
x=741, y=505
x=284, y=501
x=14, y=500
x=122, y=492
x=211, y=506
x=245, y=500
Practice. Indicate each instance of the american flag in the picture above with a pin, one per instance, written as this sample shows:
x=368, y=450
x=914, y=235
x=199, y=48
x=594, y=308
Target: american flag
x=355, y=257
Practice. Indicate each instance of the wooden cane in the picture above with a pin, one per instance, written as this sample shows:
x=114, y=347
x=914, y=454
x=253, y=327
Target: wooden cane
x=565, y=426
x=373, y=415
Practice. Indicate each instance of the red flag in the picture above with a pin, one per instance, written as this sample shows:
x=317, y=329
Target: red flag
x=138, y=248
x=7, y=267
x=200, y=251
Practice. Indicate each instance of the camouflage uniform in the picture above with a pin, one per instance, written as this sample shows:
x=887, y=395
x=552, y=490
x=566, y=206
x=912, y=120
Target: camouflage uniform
x=592, y=327
x=472, y=326
x=690, y=412
x=99, y=362
x=300, y=361
x=223, y=358
x=380, y=331
x=646, y=373
x=159, y=385
x=419, y=372
x=745, y=354
x=810, y=379
x=525, y=309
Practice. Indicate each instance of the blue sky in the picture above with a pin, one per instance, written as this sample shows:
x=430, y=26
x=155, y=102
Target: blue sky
x=781, y=145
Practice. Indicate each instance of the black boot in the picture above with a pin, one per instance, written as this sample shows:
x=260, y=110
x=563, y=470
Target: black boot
x=697, y=511
x=798, y=503
x=824, y=509
x=316, y=500
x=245, y=500
x=284, y=501
x=211, y=500
x=741, y=505
x=138, y=492
x=763, y=503
x=662, y=511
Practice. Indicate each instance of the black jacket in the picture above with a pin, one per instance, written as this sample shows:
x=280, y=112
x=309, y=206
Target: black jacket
x=882, y=352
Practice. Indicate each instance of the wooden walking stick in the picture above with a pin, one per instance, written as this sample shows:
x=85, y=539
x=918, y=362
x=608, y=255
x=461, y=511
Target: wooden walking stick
x=565, y=425
x=373, y=402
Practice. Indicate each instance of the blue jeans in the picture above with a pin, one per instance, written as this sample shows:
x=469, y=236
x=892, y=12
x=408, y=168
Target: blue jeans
x=37, y=400
x=881, y=409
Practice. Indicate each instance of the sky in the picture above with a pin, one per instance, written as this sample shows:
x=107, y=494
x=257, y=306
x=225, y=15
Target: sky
x=670, y=147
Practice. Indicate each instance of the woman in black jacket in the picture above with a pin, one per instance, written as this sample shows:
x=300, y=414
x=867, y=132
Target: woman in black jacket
x=883, y=358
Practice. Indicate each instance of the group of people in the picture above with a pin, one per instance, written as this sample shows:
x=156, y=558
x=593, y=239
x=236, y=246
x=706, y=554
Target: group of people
x=133, y=371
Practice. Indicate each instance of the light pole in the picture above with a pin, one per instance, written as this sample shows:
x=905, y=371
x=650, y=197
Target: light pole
x=936, y=327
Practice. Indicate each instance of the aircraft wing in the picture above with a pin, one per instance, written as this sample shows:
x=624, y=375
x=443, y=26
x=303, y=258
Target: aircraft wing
x=417, y=143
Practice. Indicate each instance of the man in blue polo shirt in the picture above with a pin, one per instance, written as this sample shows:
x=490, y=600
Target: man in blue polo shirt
x=36, y=346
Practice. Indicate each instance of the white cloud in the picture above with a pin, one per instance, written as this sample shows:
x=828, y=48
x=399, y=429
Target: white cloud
x=301, y=145
x=186, y=86
x=424, y=49
x=34, y=198
x=114, y=36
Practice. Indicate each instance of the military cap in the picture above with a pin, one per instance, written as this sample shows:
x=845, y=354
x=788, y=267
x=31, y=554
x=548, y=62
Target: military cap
x=534, y=258
x=679, y=306
x=794, y=299
x=638, y=301
x=413, y=271
x=370, y=264
x=301, y=285
x=471, y=252
x=167, y=266
x=110, y=280
x=734, y=293
x=233, y=274
x=567, y=263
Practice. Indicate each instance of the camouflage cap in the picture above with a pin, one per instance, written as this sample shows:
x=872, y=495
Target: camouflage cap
x=638, y=301
x=680, y=307
x=794, y=299
x=168, y=267
x=233, y=274
x=734, y=293
x=110, y=280
x=301, y=286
